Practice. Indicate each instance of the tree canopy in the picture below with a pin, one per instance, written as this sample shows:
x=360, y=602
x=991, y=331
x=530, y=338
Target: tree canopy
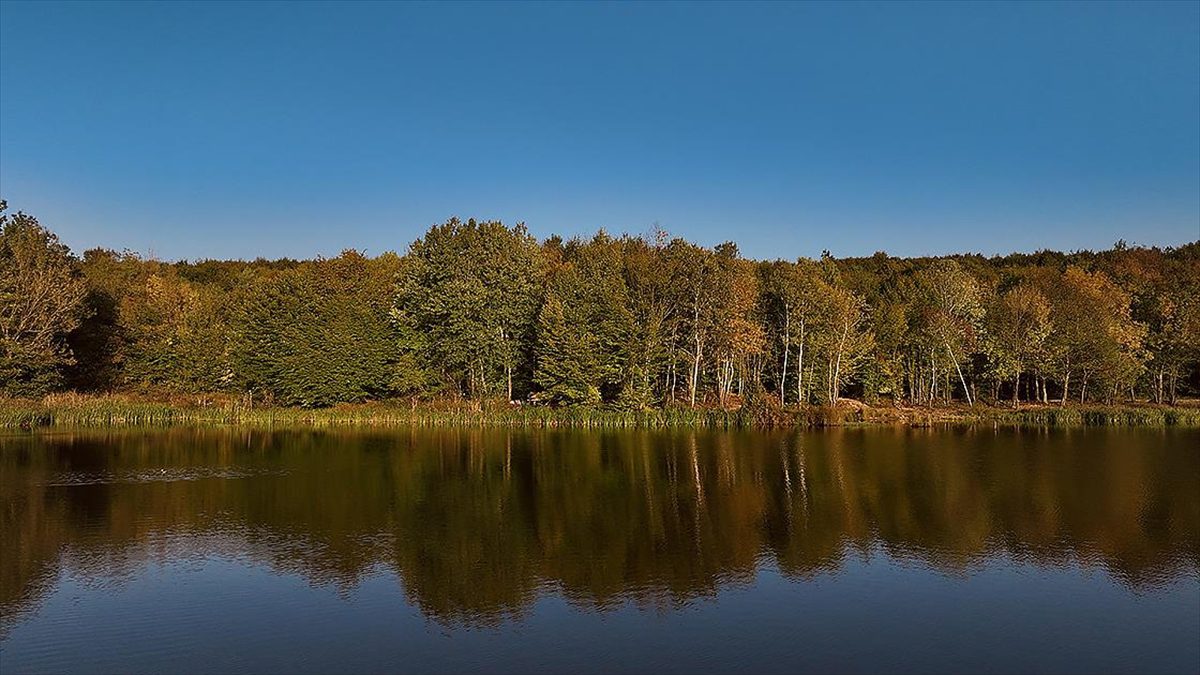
x=481, y=310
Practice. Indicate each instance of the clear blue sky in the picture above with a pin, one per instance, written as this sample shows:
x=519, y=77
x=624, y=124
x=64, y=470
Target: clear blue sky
x=236, y=130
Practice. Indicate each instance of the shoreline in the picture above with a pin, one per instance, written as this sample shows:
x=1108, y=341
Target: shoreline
x=113, y=411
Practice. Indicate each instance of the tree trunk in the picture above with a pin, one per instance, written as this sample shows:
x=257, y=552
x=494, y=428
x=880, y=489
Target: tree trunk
x=787, y=343
x=695, y=370
x=837, y=369
x=932, y=377
x=963, y=380
x=800, y=367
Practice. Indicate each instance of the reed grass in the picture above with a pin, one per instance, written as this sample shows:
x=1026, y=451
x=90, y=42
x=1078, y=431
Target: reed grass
x=103, y=411
x=1100, y=416
x=83, y=411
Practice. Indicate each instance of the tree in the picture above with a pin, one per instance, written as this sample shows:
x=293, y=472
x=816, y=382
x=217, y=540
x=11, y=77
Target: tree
x=654, y=316
x=176, y=335
x=100, y=343
x=320, y=333
x=565, y=366
x=952, y=313
x=1018, y=324
x=474, y=289
x=1176, y=346
x=1094, y=334
x=793, y=298
x=588, y=288
x=738, y=336
x=845, y=340
x=694, y=275
x=41, y=302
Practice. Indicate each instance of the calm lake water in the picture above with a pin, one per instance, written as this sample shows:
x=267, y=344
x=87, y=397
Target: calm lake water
x=495, y=550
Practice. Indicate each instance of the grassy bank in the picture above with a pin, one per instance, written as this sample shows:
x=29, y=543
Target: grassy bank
x=72, y=410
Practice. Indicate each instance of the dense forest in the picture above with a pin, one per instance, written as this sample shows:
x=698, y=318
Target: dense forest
x=479, y=310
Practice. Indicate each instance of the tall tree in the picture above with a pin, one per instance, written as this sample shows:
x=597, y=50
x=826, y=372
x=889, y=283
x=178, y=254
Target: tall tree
x=952, y=313
x=738, y=336
x=1018, y=324
x=474, y=289
x=41, y=302
x=1094, y=335
x=845, y=340
x=566, y=368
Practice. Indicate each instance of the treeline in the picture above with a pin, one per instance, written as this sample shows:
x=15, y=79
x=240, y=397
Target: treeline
x=480, y=310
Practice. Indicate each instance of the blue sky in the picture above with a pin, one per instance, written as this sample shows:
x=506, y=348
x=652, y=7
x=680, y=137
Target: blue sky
x=237, y=130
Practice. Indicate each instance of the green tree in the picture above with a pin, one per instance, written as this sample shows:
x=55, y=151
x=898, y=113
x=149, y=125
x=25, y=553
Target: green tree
x=320, y=333
x=586, y=279
x=474, y=289
x=99, y=342
x=566, y=370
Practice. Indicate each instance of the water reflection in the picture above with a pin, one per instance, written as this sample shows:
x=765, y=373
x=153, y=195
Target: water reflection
x=475, y=523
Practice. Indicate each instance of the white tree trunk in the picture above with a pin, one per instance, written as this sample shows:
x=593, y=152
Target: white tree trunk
x=960, y=375
x=787, y=343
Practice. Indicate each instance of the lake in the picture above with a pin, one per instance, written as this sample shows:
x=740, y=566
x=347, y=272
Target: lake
x=900, y=550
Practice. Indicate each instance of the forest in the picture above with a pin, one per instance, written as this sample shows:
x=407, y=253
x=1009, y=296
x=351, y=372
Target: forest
x=481, y=311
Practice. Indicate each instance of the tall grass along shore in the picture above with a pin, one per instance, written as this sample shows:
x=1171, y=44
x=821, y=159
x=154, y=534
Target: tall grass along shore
x=75, y=410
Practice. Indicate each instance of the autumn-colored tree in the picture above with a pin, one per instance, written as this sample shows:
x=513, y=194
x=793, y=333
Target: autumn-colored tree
x=175, y=333
x=845, y=340
x=654, y=317
x=479, y=309
x=41, y=302
x=738, y=337
x=694, y=278
x=1094, y=336
x=1018, y=324
x=793, y=304
x=950, y=315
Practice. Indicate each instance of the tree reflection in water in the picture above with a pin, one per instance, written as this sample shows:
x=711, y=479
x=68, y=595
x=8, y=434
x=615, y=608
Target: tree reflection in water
x=475, y=523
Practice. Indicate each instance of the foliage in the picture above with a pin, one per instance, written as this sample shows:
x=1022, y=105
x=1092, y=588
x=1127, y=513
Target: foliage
x=41, y=302
x=319, y=333
x=482, y=312
x=473, y=290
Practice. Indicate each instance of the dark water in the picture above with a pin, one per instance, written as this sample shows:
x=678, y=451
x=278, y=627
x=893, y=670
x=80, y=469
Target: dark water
x=468, y=550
